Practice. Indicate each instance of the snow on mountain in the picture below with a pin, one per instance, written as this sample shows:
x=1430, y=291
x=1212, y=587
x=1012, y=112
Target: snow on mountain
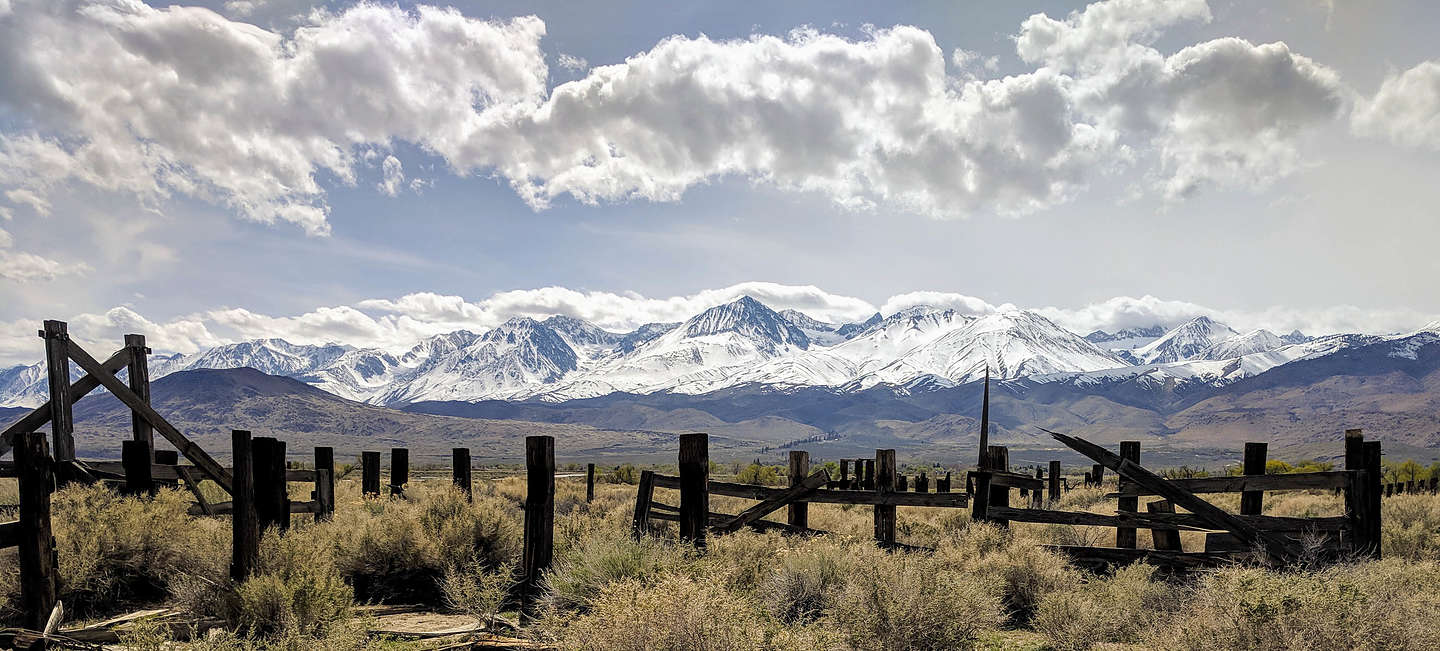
x=819, y=332
x=851, y=329
x=270, y=356
x=1185, y=342
x=643, y=335
x=1151, y=333
x=1255, y=341
x=1012, y=344
x=505, y=363
x=1296, y=337
x=583, y=335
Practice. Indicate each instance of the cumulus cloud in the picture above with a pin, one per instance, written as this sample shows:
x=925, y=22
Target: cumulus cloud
x=22, y=267
x=289, y=108
x=392, y=176
x=867, y=122
x=1406, y=108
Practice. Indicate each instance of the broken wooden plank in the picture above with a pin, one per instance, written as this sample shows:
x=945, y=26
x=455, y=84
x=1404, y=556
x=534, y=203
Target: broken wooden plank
x=796, y=492
x=1277, y=547
x=186, y=447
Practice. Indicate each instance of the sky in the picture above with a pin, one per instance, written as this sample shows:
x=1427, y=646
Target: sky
x=376, y=173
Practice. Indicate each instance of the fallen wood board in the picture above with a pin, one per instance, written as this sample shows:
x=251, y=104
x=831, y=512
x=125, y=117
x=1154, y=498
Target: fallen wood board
x=795, y=493
x=1278, y=548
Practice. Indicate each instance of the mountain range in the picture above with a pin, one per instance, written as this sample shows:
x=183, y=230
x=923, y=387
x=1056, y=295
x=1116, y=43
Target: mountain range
x=745, y=343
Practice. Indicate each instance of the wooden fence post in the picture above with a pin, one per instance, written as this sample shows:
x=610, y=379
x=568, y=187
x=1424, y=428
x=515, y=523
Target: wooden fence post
x=539, y=511
x=1097, y=475
x=643, y=493
x=1125, y=536
x=1370, y=513
x=589, y=483
x=869, y=475
x=35, y=473
x=900, y=483
x=999, y=456
x=245, y=527
x=922, y=483
x=799, y=511
x=399, y=471
x=1252, y=502
x=844, y=474
x=139, y=380
x=272, y=500
x=324, y=483
x=884, y=484
x=135, y=457
x=694, y=487
x=461, y=472
x=1164, y=538
x=1054, y=481
x=57, y=362
x=370, y=473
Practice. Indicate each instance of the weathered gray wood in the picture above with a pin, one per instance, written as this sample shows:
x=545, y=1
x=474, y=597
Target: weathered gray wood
x=135, y=456
x=1278, y=548
x=1101, y=556
x=589, y=483
x=884, y=484
x=1054, y=481
x=798, y=491
x=539, y=543
x=245, y=522
x=272, y=506
x=983, y=462
x=694, y=491
x=1165, y=539
x=139, y=381
x=862, y=498
x=324, y=494
x=1295, y=481
x=1125, y=536
x=999, y=493
x=370, y=473
x=1252, y=502
x=57, y=364
x=10, y=534
x=41, y=415
x=399, y=471
x=799, y=512
x=461, y=472
x=39, y=570
x=193, y=452
x=643, y=494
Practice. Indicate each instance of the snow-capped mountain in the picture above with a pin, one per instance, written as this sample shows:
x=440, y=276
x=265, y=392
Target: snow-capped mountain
x=1185, y=342
x=745, y=343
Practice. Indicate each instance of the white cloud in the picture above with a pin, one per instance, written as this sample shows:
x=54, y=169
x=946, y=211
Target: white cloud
x=288, y=107
x=959, y=302
x=572, y=63
x=869, y=122
x=393, y=176
x=22, y=267
x=1406, y=108
x=25, y=197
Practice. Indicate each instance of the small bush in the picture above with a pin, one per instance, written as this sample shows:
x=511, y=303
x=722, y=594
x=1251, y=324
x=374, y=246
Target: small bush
x=579, y=578
x=296, y=590
x=1118, y=609
x=676, y=613
x=477, y=590
x=904, y=601
x=805, y=585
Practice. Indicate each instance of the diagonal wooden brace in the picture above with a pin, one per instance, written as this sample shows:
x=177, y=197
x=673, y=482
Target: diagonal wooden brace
x=1278, y=547
x=193, y=452
x=809, y=485
x=79, y=389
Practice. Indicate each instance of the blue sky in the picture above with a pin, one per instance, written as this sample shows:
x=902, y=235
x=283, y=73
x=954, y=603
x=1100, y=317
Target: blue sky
x=205, y=177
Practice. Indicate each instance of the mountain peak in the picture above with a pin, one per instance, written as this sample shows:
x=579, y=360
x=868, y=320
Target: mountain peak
x=750, y=318
x=1188, y=341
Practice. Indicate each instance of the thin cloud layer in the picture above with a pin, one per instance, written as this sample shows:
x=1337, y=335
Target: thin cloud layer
x=128, y=98
x=397, y=324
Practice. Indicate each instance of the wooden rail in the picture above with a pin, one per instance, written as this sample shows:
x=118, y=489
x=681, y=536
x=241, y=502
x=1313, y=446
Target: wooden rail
x=826, y=496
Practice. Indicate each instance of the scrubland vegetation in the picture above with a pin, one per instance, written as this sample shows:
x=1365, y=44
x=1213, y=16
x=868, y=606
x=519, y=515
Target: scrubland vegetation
x=982, y=586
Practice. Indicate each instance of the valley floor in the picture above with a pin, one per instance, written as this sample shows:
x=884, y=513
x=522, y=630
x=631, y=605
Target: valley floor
x=982, y=587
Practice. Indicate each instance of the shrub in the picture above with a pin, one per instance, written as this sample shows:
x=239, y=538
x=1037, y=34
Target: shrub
x=758, y=474
x=805, y=585
x=676, y=613
x=1118, y=609
x=578, y=578
x=477, y=590
x=296, y=590
x=904, y=601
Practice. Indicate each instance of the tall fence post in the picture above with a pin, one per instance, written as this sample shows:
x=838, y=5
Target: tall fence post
x=399, y=471
x=1252, y=502
x=643, y=493
x=844, y=474
x=539, y=511
x=324, y=483
x=799, y=469
x=999, y=495
x=57, y=362
x=245, y=527
x=694, y=487
x=589, y=483
x=869, y=483
x=35, y=473
x=370, y=473
x=460, y=472
x=1097, y=475
x=136, y=458
x=272, y=498
x=139, y=380
x=1371, y=512
x=884, y=485
x=1125, y=536
x=1054, y=481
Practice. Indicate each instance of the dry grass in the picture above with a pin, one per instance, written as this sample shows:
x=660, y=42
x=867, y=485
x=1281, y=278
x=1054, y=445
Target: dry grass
x=983, y=586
